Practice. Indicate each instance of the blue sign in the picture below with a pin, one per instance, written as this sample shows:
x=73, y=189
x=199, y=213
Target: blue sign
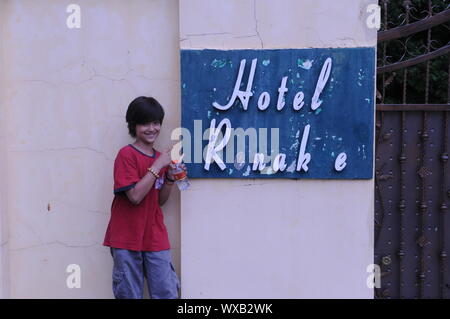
x=288, y=113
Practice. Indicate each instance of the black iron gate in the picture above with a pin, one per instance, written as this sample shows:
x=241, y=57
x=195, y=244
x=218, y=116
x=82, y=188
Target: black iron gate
x=412, y=187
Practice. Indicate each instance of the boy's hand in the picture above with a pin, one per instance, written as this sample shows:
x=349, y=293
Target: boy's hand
x=164, y=158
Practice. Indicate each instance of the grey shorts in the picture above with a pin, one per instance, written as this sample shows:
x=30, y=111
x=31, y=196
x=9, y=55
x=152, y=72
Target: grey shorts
x=130, y=268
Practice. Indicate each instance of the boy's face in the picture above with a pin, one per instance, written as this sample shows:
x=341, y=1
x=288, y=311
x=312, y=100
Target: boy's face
x=147, y=133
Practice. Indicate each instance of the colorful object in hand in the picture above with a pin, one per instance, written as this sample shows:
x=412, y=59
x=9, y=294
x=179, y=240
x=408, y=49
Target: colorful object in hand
x=180, y=176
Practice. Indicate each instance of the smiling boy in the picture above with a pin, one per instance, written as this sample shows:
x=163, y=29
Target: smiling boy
x=136, y=233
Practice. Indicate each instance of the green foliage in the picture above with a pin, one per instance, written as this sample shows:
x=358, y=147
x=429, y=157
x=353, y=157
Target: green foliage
x=409, y=47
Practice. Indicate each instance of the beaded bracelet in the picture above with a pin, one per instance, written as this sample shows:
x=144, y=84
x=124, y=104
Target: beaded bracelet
x=151, y=170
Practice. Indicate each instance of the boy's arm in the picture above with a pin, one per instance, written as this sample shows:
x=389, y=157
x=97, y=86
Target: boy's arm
x=164, y=193
x=138, y=192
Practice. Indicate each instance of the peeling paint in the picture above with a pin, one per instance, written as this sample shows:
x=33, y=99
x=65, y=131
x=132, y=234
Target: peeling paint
x=291, y=167
x=307, y=64
x=247, y=171
x=218, y=63
x=295, y=145
x=360, y=77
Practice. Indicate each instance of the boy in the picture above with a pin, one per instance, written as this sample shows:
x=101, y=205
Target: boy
x=136, y=233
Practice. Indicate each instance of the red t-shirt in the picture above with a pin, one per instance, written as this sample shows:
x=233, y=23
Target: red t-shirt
x=136, y=227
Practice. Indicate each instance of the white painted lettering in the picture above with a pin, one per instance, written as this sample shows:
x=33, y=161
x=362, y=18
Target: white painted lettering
x=321, y=82
x=244, y=96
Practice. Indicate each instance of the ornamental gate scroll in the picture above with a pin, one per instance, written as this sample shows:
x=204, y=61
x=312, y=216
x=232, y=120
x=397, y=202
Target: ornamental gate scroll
x=412, y=187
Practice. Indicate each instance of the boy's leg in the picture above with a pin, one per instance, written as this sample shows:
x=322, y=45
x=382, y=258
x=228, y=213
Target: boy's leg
x=162, y=279
x=128, y=274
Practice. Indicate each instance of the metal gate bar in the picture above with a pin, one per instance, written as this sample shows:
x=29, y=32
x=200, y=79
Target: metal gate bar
x=411, y=180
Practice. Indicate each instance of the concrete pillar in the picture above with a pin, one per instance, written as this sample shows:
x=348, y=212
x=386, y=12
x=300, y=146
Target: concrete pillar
x=276, y=238
x=4, y=273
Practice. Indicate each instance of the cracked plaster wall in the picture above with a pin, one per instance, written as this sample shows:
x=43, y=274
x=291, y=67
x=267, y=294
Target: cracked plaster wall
x=276, y=238
x=63, y=103
x=4, y=279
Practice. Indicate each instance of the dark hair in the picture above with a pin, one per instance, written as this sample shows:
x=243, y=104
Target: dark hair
x=143, y=110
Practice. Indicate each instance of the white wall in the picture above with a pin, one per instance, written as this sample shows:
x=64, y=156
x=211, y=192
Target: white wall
x=276, y=238
x=3, y=217
x=65, y=96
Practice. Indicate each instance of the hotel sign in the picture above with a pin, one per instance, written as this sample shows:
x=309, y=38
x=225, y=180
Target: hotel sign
x=290, y=113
